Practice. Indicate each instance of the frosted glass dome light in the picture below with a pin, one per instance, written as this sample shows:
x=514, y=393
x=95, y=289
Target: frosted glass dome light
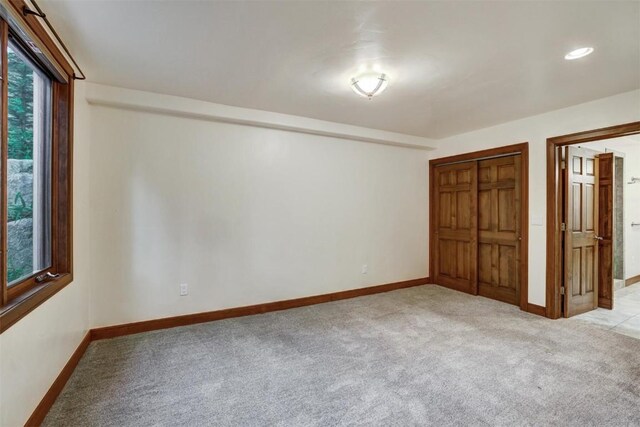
x=578, y=53
x=369, y=85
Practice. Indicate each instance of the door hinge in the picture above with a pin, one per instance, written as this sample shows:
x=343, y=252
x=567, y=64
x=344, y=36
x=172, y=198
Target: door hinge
x=563, y=164
x=561, y=290
x=563, y=227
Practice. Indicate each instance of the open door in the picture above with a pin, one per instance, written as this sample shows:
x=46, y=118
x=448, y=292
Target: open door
x=581, y=236
x=605, y=229
x=456, y=230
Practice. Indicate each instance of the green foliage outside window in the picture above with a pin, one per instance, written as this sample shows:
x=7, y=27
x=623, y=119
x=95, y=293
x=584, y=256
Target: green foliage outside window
x=18, y=209
x=14, y=273
x=20, y=147
x=20, y=128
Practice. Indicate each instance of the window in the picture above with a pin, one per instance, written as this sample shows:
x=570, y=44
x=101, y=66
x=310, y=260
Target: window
x=36, y=123
x=28, y=167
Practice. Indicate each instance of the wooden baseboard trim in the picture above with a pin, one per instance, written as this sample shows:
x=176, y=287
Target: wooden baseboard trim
x=632, y=280
x=191, y=319
x=39, y=414
x=41, y=411
x=536, y=309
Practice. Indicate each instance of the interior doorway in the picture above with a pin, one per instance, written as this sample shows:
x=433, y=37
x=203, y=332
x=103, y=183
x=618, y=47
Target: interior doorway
x=619, y=243
x=590, y=252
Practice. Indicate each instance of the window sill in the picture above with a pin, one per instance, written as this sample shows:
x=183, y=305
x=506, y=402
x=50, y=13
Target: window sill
x=22, y=305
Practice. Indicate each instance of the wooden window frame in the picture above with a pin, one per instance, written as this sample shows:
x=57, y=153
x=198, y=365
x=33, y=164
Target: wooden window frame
x=554, y=205
x=23, y=297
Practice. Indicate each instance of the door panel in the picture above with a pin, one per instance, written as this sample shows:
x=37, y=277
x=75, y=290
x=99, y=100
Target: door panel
x=499, y=236
x=605, y=228
x=456, y=226
x=580, y=237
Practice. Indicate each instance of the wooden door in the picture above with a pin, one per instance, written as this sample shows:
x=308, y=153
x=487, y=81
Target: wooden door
x=580, y=237
x=605, y=229
x=499, y=233
x=456, y=187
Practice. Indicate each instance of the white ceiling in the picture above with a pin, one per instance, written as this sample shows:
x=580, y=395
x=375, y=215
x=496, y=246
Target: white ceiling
x=454, y=66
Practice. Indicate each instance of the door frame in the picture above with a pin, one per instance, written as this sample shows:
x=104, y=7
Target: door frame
x=523, y=150
x=554, y=205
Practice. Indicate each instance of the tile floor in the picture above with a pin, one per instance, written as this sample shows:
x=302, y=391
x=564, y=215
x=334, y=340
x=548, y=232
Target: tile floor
x=625, y=316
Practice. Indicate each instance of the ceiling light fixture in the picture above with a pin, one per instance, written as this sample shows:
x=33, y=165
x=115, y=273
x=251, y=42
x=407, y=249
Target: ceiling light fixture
x=369, y=84
x=578, y=53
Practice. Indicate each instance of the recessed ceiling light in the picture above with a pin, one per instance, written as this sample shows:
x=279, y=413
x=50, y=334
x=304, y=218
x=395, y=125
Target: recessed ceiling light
x=578, y=53
x=369, y=84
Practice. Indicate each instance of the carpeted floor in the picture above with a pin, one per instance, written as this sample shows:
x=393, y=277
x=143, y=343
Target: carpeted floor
x=420, y=356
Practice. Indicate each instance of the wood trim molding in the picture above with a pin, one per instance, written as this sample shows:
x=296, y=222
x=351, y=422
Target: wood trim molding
x=553, y=278
x=631, y=280
x=38, y=34
x=4, y=137
x=536, y=309
x=554, y=201
x=23, y=297
x=41, y=411
x=24, y=304
x=209, y=316
x=488, y=153
x=523, y=150
x=596, y=134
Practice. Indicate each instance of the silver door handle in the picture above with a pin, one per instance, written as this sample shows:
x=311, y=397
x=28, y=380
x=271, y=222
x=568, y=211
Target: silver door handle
x=598, y=237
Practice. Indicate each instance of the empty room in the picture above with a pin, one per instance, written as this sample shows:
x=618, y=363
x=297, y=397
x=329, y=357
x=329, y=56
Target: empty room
x=319, y=213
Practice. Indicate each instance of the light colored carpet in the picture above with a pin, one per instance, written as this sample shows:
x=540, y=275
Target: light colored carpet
x=419, y=356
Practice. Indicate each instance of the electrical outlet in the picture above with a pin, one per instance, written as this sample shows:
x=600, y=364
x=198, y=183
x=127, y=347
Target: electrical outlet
x=184, y=289
x=365, y=268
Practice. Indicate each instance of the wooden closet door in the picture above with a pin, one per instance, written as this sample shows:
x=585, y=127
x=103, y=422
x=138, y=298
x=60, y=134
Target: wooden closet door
x=605, y=219
x=581, y=235
x=456, y=231
x=499, y=234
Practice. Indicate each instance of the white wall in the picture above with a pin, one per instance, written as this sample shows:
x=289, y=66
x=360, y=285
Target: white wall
x=610, y=111
x=630, y=147
x=248, y=215
x=244, y=215
x=34, y=350
x=631, y=213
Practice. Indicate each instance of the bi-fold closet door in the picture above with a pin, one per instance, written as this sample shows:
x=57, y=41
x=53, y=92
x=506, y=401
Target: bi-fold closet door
x=478, y=227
